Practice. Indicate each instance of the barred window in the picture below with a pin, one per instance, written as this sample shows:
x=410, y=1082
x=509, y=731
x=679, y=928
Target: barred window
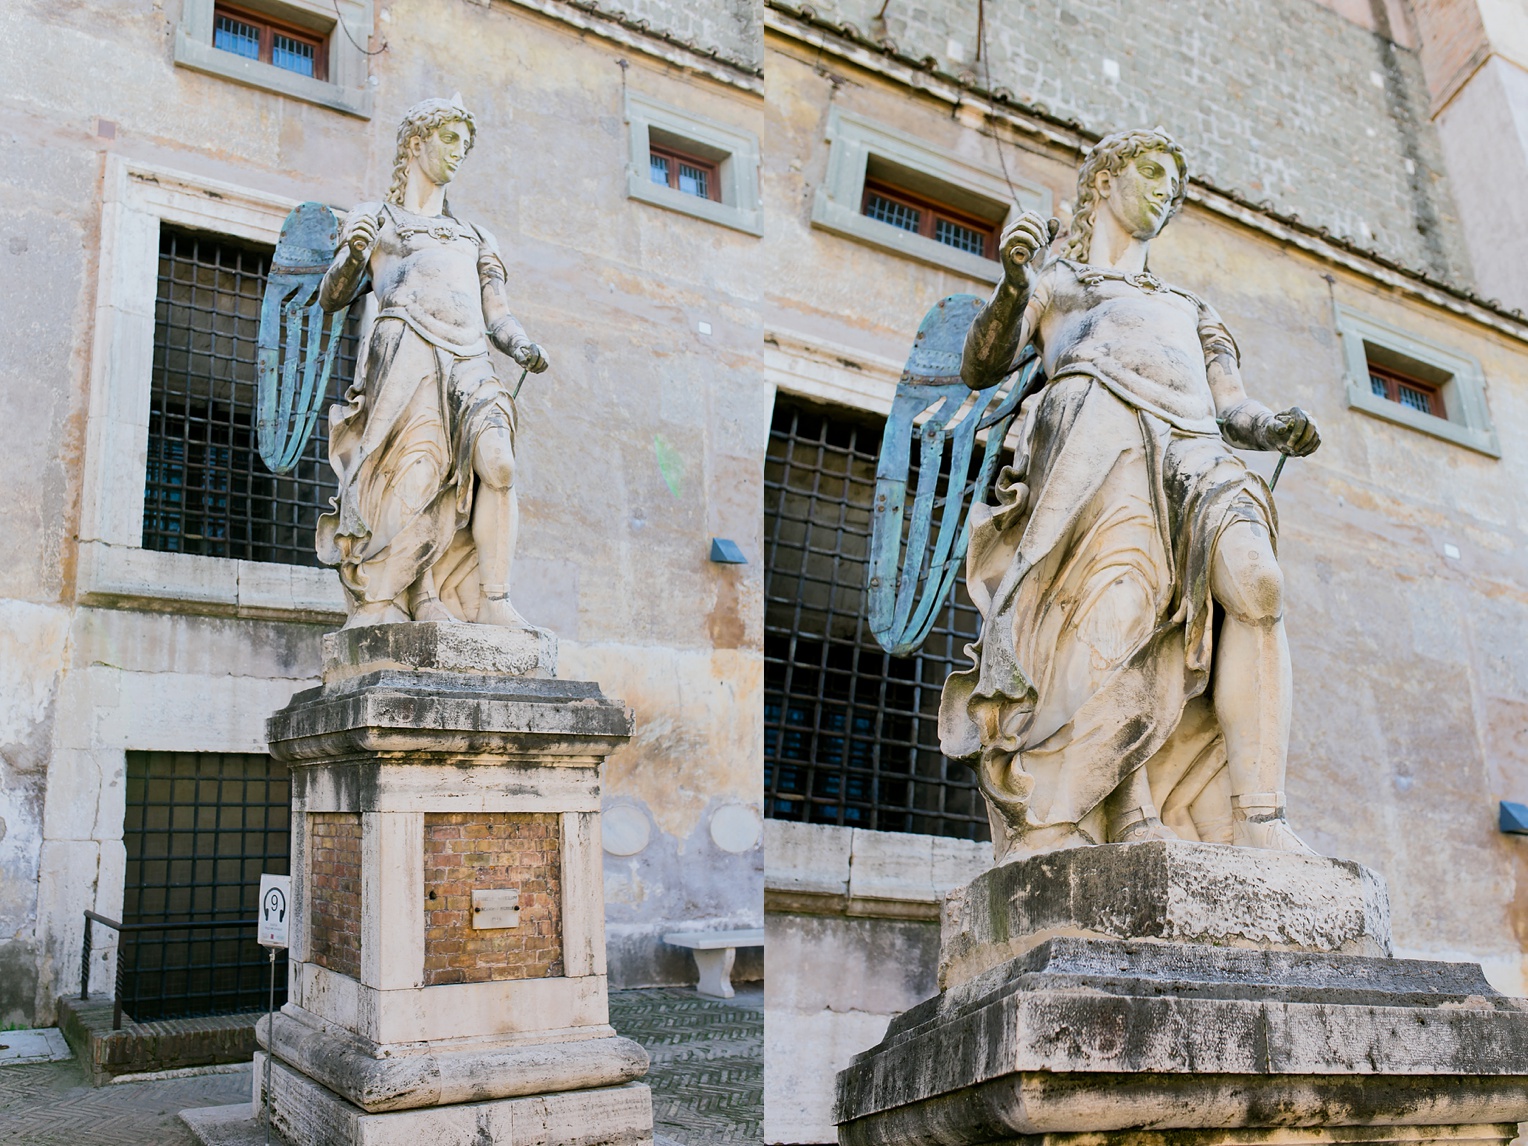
x=910, y=211
x=207, y=491
x=851, y=733
x=200, y=828
x=258, y=37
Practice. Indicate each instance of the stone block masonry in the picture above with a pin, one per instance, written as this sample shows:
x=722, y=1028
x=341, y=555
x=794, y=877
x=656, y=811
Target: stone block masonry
x=467, y=852
x=335, y=911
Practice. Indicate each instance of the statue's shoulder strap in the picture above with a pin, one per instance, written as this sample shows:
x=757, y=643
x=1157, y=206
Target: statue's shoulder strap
x=490, y=262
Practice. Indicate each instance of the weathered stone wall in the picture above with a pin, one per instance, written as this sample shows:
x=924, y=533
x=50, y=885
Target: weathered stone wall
x=334, y=904
x=482, y=851
x=1284, y=100
x=613, y=547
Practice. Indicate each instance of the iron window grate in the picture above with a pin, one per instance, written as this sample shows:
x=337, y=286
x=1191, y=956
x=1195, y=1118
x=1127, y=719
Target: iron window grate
x=199, y=829
x=206, y=490
x=851, y=733
x=890, y=211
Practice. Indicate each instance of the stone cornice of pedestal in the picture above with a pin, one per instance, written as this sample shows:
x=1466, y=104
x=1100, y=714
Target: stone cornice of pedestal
x=1171, y=891
x=541, y=721
x=378, y=1078
x=1189, y=1035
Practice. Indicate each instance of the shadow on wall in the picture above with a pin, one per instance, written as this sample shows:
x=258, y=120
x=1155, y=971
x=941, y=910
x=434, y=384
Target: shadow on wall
x=656, y=883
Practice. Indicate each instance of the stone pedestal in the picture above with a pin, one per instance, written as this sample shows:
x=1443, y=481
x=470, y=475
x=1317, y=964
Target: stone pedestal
x=1178, y=993
x=447, y=977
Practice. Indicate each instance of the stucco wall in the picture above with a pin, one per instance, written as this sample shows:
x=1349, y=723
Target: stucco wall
x=613, y=548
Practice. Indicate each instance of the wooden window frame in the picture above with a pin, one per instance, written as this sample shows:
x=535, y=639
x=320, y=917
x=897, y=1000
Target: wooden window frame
x=269, y=28
x=675, y=158
x=1394, y=379
x=930, y=211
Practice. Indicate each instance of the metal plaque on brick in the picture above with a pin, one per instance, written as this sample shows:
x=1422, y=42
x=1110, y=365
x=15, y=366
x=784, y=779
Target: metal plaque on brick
x=496, y=908
x=275, y=904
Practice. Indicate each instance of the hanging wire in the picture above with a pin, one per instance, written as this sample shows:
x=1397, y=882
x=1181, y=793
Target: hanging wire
x=985, y=56
x=344, y=28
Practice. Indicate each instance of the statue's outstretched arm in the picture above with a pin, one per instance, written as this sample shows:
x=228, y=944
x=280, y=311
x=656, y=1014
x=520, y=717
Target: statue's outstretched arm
x=345, y=278
x=1005, y=325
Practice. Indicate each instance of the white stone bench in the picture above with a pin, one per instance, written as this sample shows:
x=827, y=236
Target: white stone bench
x=715, y=953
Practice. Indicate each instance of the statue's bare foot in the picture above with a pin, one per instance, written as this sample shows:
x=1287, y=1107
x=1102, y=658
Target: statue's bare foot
x=496, y=610
x=1270, y=831
x=375, y=613
x=1139, y=824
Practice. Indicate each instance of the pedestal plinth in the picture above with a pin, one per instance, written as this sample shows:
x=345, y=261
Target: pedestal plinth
x=447, y=981
x=1167, y=1005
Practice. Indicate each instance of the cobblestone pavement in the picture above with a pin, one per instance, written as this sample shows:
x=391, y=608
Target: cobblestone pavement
x=707, y=1070
x=707, y=1077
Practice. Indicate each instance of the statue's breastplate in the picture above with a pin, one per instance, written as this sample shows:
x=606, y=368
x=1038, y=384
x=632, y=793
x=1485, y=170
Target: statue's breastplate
x=429, y=271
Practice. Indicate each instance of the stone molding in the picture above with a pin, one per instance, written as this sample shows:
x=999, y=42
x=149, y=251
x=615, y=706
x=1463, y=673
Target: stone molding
x=1101, y=1035
x=830, y=371
x=975, y=106
x=400, y=1078
x=822, y=869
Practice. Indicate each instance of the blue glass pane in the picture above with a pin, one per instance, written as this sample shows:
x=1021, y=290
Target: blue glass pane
x=1377, y=386
x=237, y=37
x=293, y=55
x=658, y=169
x=1414, y=400
x=889, y=211
x=694, y=181
x=963, y=238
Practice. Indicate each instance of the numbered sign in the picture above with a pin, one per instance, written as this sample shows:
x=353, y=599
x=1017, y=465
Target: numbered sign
x=275, y=913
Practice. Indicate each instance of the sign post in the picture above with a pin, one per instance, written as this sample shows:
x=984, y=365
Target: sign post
x=271, y=933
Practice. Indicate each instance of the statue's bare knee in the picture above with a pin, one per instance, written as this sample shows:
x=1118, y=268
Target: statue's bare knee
x=494, y=459
x=1244, y=575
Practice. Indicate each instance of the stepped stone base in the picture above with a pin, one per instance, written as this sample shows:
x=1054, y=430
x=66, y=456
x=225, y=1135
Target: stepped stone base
x=1148, y=1040
x=147, y=1048
x=429, y=646
x=1168, y=890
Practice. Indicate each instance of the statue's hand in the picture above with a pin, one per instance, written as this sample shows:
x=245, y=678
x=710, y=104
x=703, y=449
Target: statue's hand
x=1028, y=235
x=1293, y=432
x=530, y=356
x=360, y=233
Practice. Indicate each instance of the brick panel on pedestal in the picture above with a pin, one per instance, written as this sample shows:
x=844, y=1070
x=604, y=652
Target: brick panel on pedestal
x=479, y=851
x=334, y=918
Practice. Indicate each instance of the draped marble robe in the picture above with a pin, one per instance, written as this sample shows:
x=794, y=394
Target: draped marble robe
x=402, y=442
x=1092, y=576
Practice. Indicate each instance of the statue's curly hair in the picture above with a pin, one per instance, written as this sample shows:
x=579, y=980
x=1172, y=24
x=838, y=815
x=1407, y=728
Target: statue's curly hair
x=419, y=122
x=1110, y=154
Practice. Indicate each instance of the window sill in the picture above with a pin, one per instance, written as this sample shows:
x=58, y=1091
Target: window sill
x=639, y=186
x=829, y=215
x=1482, y=441
x=212, y=61
x=116, y=575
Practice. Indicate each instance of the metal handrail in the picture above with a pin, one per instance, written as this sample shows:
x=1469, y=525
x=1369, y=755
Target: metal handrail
x=118, y=926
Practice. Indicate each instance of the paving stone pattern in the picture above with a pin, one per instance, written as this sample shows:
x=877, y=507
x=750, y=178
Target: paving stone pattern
x=707, y=1077
x=707, y=1070
x=54, y=1105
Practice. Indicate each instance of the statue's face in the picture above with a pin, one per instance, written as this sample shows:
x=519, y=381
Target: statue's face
x=440, y=153
x=1140, y=195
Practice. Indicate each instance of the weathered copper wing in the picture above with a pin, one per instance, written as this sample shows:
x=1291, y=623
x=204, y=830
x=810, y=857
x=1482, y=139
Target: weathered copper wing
x=910, y=577
x=298, y=341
